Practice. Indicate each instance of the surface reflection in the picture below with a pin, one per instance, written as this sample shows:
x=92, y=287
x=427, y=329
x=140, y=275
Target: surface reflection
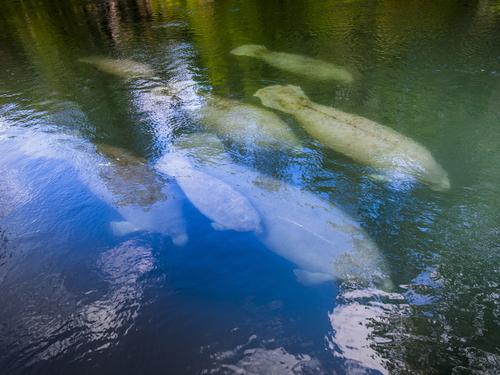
x=352, y=322
x=88, y=323
x=267, y=361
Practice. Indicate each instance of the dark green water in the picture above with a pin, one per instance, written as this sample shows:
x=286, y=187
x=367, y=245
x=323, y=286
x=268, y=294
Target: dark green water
x=75, y=298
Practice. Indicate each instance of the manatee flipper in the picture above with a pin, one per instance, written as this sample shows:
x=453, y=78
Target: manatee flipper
x=219, y=227
x=312, y=278
x=378, y=177
x=121, y=228
x=179, y=239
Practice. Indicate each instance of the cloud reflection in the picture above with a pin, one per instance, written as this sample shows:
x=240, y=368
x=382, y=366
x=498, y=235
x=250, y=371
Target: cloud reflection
x=70, y=322
x=264, y=361
x=353, y=337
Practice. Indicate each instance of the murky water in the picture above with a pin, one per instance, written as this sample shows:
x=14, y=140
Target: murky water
x=109, y=265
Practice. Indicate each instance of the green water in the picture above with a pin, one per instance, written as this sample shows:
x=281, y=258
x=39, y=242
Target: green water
x=429, y=70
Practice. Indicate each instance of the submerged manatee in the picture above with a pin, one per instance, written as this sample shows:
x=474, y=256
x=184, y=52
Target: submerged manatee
x=212, y=197
x=232, y=120
x=363, y=140
x=318, y=237
x=306, y=66
x=122, y=68
x=246, y=124
x=143, y=197
x=140, y=194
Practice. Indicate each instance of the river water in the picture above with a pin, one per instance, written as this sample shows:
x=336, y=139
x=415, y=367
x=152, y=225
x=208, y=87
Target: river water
x=81, y=293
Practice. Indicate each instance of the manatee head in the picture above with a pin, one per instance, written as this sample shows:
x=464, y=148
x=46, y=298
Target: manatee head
x=434, y=174
x=284, y=98
x=249, y=50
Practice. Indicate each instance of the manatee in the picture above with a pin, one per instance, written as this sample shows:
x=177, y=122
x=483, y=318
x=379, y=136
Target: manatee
x=318, y=237
x=212, y=197
x=363, y=140
x=232, y=120
x=123, y=68
x=144, y=198
x=307, y=66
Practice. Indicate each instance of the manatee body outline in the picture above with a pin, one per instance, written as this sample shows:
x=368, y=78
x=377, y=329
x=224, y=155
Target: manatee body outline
x=315, y=235
x=142, y=196
x=303, y=65
x=363, y=140
x=215, y=199
x=232, y=120
x=144, y=199
x=123, y=68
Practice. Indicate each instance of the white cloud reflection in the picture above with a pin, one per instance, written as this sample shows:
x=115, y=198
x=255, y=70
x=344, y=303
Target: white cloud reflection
x=63, y=322
x=353, y=337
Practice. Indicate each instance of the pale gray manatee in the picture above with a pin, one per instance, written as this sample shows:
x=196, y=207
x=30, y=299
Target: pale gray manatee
x=234, y=121
x=303, y=65
x=213, y=198
x=363, y=140
x=319, y=238
x=123, y=68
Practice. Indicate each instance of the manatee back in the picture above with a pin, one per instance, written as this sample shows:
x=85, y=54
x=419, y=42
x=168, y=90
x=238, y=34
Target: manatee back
x=249, y=50
x=122, y=68
x=247, y=124
x=212, y=197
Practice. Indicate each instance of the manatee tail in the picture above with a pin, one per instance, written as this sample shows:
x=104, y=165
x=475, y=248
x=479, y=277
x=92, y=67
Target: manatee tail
x=179, y=239
x=92, y=59
x=248, y=50
x=284, y=98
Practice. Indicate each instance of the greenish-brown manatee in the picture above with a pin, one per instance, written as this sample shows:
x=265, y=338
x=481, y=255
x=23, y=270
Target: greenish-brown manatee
x=232, y=120
x=245, y=124
x=144, y=198
x=123, y=68
x=307, y=66
x=363, y=140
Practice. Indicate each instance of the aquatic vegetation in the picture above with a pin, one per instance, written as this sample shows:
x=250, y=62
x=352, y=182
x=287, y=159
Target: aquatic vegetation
x=307, y=66
x=363, y=140
x=123, y=68
x=140, y=194
x=318, y=237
